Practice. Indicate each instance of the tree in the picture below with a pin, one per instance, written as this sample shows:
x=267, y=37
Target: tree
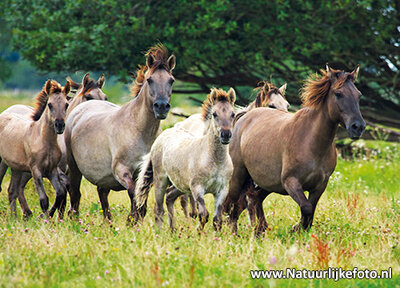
x=224, y=42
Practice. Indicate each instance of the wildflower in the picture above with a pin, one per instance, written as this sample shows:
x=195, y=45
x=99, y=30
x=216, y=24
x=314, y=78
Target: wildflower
x=46, y=221
x=98, y=277
x=273, y=260
x=106, y=272
x=217, y=239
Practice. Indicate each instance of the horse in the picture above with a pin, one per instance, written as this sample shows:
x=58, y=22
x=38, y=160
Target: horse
x=268, y=95
x=88, y=90
x=290, y=153
x=192, y=164
x=29, y=144
x=105, y=142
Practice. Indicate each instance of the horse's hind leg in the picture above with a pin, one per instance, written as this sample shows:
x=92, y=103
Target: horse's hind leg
x=184, y=203
x=21, y=195
x=3, y=170
x=103, y=195
x=170, y=199
x=61, y=194
x=198, y=194
x=193, y=210
x=13, y=191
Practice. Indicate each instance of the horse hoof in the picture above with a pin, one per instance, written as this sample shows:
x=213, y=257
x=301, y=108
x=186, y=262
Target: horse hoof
x=296, y=228
x=27, y=215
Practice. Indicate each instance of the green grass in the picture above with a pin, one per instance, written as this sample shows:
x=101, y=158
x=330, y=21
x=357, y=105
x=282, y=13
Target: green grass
x=356, y=225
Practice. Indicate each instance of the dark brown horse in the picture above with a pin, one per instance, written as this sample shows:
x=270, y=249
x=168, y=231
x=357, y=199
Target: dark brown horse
x=291, y=153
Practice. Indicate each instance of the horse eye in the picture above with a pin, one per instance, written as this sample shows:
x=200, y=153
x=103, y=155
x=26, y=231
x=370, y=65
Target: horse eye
x=88, y=97
x=233, y=115
x=338, y=95
x=171, y=81
x=66, y=106
x=50, y=106
x=272, y=106
x=215, y=115
x=149, y=80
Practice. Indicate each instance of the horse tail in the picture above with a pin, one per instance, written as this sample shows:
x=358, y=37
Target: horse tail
x=145, y=179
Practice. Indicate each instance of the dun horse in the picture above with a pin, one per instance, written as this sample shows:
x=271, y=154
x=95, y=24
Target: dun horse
x=30, y=145
x=292, y=153
x=193, y=164
x=88, y=90
x=268, y=95
x=105, y=142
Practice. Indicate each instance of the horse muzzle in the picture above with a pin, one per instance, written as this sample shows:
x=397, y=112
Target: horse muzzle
x=225, y=136
x=161, y=109
x=356, y=129
x=59, y=126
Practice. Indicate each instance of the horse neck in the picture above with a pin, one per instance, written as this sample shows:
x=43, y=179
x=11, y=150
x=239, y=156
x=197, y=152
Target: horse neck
x=140, y=111
x=75, y=102
x=216, y=150
x=323, y=130
x=45, y=127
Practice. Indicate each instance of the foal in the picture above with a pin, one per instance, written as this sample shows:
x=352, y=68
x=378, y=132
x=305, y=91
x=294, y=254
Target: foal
x=196, y=165
x=291, y=153
x=268, y=95
x=30, y=145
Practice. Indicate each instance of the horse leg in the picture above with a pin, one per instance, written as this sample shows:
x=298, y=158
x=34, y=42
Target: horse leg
x=198, y=194
x=184, y=203
x=219, y=200
x=295, y=190
x=258, y=207
x=251, y=196
x=170, y=200
x=313, y=198
x=3, y=170
x=75, y=177
x=38, y=180
x=124, y=177
x=103, y=195
x=61, y=194
x=13, y=191
x=21, y=195
x=193, y=210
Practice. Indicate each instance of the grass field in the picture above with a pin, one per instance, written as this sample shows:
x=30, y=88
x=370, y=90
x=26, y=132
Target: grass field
x=356, y=225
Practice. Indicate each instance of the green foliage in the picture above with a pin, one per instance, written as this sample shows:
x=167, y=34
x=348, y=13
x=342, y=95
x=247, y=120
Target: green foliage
x=224, y=42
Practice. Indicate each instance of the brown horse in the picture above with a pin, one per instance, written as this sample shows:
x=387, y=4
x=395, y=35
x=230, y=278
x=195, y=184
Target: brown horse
x=106, y=143
x=290, y=153
x=30, y=145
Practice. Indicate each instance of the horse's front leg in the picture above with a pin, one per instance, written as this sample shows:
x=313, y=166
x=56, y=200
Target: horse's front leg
x=124, y=177
x=219, y=200
x=103, y=195
x=314, y=196
x=61, y=194
x=198, y=194
x=38, y=180
x=13, y=191
x=294, y=188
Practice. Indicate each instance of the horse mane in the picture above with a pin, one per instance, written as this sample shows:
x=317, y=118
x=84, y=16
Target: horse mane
x=316, y=87
x=92, y=84
x=264, y=91
x=160, y=55
x=221, y=95
x=42, y=97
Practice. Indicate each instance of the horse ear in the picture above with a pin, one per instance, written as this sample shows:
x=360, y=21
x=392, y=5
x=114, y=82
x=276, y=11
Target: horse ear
x=213, y=96
x=101, y=81
x=171, y=62
x=85, y=80
x=232, y=95
x=66, y=88
x=73, y=84
x=150, y=61
x=328, y=71
x=355, y=72
x=47, y=87
x=282, y=90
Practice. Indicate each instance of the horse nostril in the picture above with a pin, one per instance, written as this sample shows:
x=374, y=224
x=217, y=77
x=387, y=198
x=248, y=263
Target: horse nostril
x=156, y=105
x=167, y=106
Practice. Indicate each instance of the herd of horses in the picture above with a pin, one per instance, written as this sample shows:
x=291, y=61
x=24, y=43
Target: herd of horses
x=239, y=157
